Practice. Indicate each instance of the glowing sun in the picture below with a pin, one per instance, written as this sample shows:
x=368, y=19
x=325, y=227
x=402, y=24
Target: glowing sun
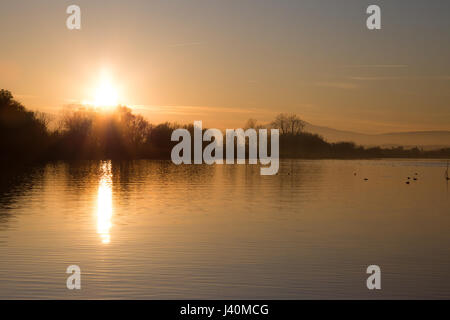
x=106, y=94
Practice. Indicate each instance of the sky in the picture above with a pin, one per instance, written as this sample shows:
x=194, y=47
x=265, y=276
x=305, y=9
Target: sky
x=225, y=61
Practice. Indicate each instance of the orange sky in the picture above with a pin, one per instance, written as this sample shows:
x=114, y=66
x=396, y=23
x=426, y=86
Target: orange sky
x=226, y=61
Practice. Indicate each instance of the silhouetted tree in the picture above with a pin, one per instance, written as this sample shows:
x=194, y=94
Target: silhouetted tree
x=288, y=123
x=251, y=124
x=23, y=134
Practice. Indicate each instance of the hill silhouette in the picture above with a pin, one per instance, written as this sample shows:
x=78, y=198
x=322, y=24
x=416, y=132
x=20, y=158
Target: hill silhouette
x=428, y=140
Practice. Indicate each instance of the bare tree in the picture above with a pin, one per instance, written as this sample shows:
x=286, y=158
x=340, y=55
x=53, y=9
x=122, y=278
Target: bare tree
x=295, y=123
x=288, y=123
x=251, y=124
x=43, y=118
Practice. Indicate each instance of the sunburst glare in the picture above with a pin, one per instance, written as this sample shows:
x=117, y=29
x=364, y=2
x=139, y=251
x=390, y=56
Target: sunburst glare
x=106, y=94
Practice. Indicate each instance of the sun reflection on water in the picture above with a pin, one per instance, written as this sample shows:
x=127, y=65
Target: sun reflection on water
x=104, y=202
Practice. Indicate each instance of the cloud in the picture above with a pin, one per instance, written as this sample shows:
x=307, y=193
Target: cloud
x=382, y=78
x=186, y=44
x=193, y=109
x=337, y=85
x=376, y=66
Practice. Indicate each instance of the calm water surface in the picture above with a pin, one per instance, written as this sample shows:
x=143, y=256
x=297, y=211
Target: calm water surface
x=153, y=230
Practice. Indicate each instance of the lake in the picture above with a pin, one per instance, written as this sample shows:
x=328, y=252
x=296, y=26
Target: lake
x=153, y=230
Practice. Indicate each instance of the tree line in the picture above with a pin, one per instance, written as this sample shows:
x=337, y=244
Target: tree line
x=85, y=133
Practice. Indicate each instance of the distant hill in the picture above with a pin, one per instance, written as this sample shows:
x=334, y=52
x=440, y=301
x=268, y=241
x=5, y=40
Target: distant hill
x=427, y=140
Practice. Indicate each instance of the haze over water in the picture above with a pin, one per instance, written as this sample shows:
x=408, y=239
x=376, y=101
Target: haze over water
x=150, y=229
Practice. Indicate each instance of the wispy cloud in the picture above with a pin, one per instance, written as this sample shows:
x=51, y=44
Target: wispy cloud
x=382, y=78
x=337, y=85
x=186, y=44
x=376, y=66
x=195, y=108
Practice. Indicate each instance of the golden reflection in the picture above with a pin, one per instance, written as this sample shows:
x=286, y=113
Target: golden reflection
x=104, y=202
